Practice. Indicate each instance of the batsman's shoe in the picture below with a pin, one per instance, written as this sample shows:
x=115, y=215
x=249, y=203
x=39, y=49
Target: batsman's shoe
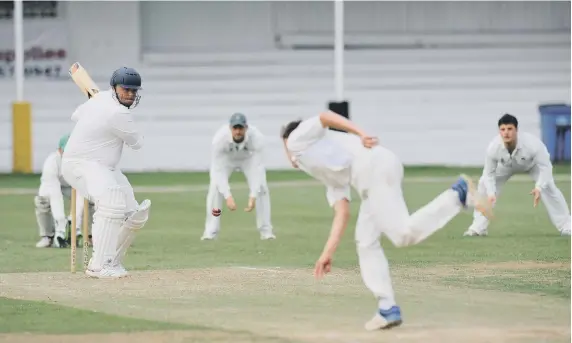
x=469, y=197
x=90, y=265
x=565, y=232
x=385, y=319
x=108, y=272
x=44, y=242
x=122, y=269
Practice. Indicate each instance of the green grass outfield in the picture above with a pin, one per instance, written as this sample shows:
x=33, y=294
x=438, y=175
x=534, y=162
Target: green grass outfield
x=513, y=286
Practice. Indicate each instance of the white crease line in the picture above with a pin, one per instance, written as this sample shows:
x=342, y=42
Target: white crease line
x=259, y=269
x=275, y=184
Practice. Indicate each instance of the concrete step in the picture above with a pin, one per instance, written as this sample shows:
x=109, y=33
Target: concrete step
x=172, y=106
x=243, y=76
x=426, y=39
x=181, y=102
x=352, y=70
x=293, y=57
x=223, y=88
x=441, y=81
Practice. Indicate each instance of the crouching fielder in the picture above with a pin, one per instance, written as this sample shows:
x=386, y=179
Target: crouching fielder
x=510, y=153
x=238, y=146
x=340, y=160
x=103, y=125
x=49, y=203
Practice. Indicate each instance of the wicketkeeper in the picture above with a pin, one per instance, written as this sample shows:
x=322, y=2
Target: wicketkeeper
x=53, y=225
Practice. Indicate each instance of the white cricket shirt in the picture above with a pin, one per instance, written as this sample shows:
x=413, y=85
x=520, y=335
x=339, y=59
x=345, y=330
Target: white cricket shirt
x=530, y=151
x=226, y=154
x=103, y=126
x=52, y=178
x=326, y=155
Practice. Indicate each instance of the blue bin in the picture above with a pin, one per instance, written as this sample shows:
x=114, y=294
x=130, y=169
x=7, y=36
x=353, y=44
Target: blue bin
x=552, y=117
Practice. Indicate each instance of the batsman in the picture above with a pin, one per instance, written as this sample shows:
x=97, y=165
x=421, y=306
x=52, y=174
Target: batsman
x=49, y=202
x=104, y=124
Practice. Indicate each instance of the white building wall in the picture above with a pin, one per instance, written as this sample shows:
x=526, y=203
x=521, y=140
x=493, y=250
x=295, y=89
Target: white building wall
x=252, y=26
x=105, y=35
x=206, y=26
x=459, y=16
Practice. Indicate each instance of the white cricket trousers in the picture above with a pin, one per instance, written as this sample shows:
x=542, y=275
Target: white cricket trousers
x=384, y=211
x=57, y=206
x=95, y=181
x=215, y=200
x=551, y=197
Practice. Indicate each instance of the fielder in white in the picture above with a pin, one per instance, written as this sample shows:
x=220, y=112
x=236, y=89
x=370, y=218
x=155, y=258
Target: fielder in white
x=238, y=146
x=104, y=124
x=510, y=153
x=49, y=203
x=341, y=160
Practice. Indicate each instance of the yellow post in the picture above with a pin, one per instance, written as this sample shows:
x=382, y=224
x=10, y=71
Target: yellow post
x=22, y=137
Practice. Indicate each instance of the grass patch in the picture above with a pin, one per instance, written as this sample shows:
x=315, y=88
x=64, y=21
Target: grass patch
x=41, y=317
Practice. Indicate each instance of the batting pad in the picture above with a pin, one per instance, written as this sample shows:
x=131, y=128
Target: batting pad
x=127, y=234
x=44, y=216
x=138, y=219
x=109, y=217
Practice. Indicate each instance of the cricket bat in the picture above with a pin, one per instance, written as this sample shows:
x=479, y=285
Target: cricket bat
x=82, y=79
x=85, y=83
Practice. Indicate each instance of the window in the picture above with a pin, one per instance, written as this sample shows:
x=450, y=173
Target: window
x=32, y=9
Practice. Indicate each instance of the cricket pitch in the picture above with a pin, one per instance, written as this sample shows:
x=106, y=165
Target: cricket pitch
x=247, y=304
